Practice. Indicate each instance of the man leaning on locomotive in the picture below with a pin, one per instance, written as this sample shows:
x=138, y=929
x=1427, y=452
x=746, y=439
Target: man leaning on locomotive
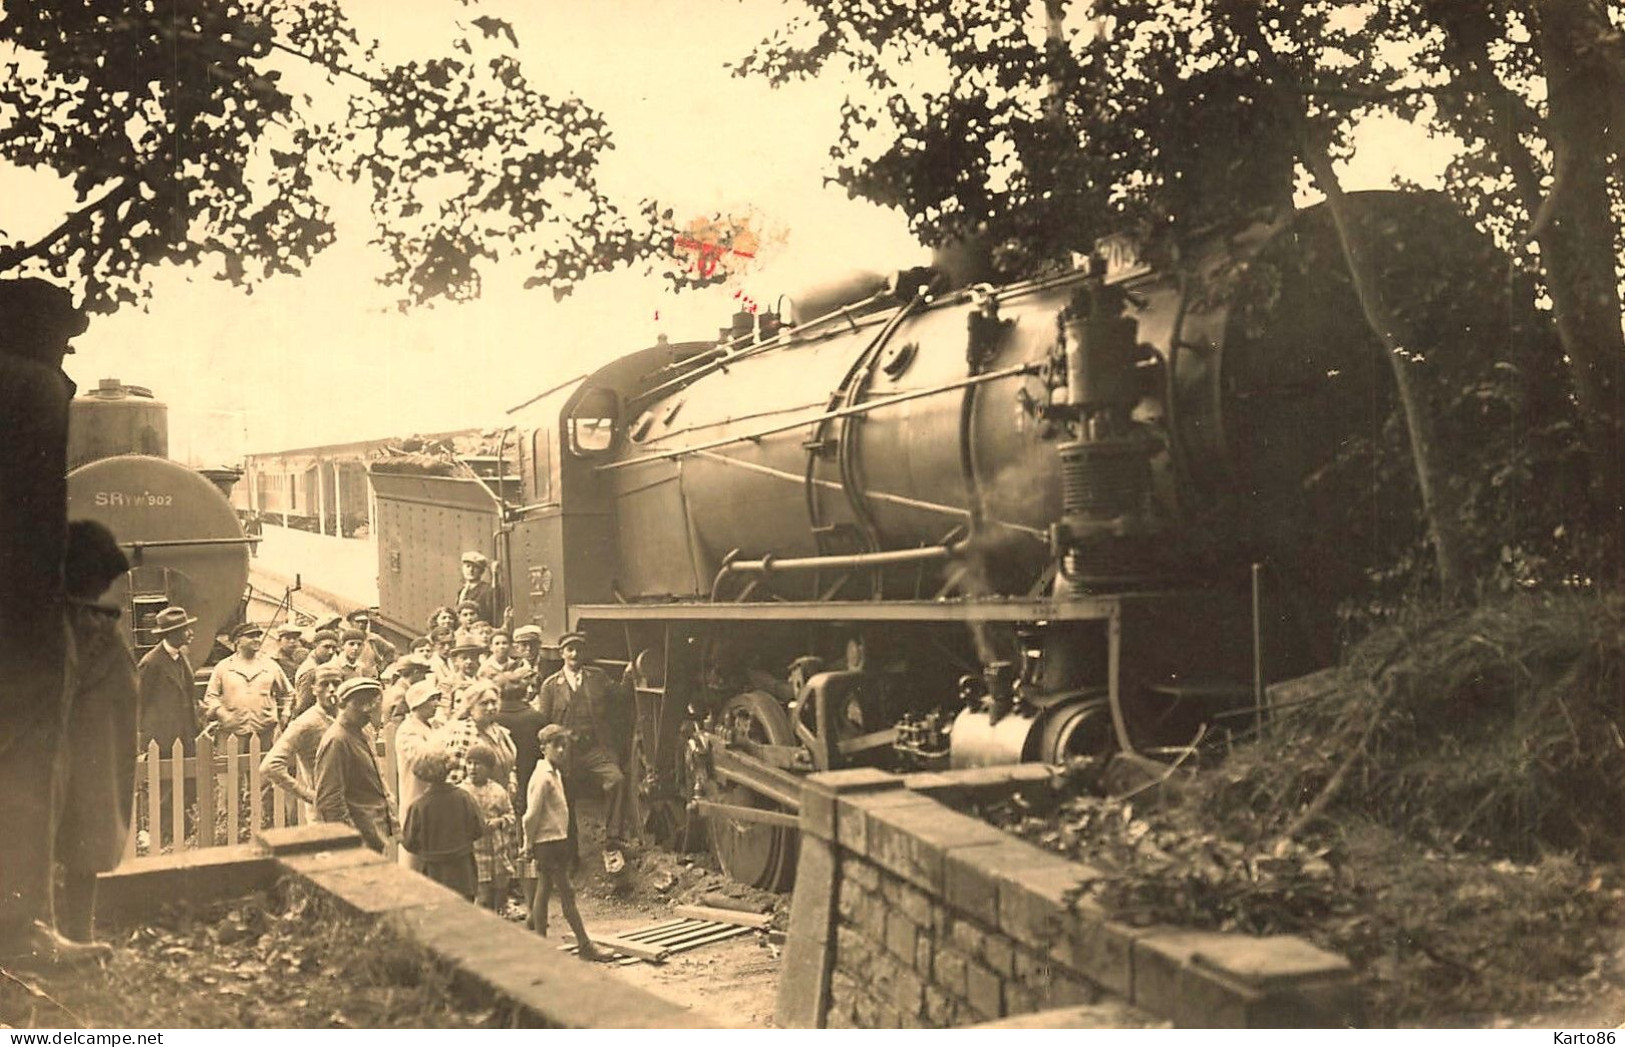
x=578, y=698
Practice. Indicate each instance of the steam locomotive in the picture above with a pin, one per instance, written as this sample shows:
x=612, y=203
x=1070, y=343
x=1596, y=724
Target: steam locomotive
x=935, y=523
x=184, y=541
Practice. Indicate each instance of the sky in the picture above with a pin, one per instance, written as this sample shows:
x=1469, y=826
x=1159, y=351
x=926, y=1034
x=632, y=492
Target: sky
x=325, y=357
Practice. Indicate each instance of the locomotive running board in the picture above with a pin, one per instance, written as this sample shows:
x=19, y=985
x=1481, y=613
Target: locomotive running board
x=1024, y=609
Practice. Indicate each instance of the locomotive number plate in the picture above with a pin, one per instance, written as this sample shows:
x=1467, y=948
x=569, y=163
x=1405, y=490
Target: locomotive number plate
x=1121, y=252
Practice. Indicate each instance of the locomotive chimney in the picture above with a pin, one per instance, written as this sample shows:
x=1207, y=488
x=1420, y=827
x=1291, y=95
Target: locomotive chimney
x=224, y=478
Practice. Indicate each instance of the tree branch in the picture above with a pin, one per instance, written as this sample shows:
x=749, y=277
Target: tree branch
x=334, y=67
x=126, y=188
x=1364, y=94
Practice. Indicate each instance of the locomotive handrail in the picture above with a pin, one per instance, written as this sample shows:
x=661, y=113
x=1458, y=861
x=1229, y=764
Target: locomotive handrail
x=844, y=412
x=886, y=558
x=170, y=543
x=726, y=353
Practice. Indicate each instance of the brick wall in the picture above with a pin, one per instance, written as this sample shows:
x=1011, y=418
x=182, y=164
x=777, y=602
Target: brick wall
x=906, y=960
x=908, y=914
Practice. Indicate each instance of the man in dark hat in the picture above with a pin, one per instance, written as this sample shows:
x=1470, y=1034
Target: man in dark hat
x=348, y=786
x=476, y=589
x=87, y=788
x=99, y=784
x=168, y=707
x=246, y=689
x=37, y=320
x=578, y=698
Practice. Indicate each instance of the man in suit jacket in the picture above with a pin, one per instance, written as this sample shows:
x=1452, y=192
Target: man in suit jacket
x=168, y=704
x=577, y=698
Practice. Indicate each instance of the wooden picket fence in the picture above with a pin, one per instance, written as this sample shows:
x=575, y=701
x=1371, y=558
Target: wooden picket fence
x=229, y=799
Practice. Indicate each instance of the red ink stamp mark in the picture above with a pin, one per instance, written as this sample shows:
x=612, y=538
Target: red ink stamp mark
x=719, y=247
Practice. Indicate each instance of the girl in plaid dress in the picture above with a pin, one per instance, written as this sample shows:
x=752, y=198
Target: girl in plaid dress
x=493, y=852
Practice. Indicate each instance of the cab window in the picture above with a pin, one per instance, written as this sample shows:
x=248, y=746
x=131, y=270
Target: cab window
x=592, y=423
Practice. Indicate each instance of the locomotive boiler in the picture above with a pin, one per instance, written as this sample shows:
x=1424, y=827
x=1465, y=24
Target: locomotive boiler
x=184, y=541
x=942, y=525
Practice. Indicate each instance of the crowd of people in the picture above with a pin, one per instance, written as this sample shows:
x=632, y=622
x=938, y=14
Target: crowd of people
x=489, y=728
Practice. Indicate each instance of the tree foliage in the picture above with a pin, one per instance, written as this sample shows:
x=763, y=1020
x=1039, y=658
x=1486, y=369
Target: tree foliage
x=1043, y=124
x=203, y=132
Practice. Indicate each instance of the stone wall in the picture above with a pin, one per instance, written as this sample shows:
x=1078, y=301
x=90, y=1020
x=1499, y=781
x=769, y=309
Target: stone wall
x=499, y=962
x=909, y=914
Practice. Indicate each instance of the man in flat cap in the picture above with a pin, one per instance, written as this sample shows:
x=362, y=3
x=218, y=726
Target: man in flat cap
x=291, y=763
x=522, y=721
x=578, y=698
x=288, y=650
x=324, y=647
x=377, y=653
x=351, y=643
x=477, y=588
x=349, y=788
x=246, y=689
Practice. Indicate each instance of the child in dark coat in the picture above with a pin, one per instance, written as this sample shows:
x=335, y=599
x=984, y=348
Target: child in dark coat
x=441, y=827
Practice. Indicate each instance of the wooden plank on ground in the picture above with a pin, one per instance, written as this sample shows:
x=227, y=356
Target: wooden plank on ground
x=739, y=919
x=717, y=935
x=642, y=950
x=652, y=931
x=669, y=934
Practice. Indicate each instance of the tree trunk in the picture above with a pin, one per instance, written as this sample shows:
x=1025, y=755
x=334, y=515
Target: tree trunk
x=1441, y=502
x=1575, y=230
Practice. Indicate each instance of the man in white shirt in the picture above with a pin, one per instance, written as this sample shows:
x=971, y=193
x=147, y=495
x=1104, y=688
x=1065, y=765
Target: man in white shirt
x=246, y=689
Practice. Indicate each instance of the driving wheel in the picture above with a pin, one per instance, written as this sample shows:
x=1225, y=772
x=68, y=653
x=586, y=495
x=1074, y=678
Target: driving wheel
x=750, y=852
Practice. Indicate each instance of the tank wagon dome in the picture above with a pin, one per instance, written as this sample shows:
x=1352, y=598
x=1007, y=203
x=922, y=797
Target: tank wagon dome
x=114, y=419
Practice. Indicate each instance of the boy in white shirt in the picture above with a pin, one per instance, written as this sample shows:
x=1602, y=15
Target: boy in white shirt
x=547, y=830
